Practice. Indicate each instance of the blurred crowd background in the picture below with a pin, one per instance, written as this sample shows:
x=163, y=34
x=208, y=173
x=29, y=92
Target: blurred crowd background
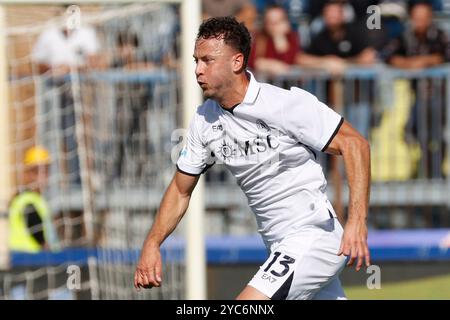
x=94, y=127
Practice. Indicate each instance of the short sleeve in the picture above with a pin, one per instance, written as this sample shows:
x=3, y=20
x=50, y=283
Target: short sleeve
x=193, y=158
x=310, y=121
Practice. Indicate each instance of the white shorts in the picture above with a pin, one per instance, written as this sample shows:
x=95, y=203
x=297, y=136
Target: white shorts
x=304, y=266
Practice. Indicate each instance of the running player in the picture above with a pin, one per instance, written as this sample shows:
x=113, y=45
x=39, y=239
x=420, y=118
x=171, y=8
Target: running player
x=268, y=138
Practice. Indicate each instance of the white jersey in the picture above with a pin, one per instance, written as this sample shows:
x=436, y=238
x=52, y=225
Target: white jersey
x=268, y=143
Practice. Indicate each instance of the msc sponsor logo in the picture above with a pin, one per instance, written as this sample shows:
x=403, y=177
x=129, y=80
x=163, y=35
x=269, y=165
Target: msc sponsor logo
x=262, y=126
x=247, y=148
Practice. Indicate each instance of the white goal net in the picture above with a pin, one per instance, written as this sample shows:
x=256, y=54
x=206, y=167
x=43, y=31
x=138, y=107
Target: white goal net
x=104, y=114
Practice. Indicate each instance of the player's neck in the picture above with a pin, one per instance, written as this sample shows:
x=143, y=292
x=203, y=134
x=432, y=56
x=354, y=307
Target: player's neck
x=235, y=95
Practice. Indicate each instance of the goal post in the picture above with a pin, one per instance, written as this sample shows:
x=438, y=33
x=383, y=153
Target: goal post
x=195, y=250
x=6, y=160
x=195, y=253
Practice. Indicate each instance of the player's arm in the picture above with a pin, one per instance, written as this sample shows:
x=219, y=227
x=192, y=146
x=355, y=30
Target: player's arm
x=355, y=150
x=172, y=208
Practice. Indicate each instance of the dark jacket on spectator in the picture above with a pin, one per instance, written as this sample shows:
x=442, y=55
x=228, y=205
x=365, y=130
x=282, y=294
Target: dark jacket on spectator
x=407, y=45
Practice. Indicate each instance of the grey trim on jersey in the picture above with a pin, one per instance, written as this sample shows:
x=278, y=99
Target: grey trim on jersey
x=195, y=174
x=188, y=173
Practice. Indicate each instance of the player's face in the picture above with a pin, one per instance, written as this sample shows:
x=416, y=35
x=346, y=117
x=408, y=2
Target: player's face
x=214, y=66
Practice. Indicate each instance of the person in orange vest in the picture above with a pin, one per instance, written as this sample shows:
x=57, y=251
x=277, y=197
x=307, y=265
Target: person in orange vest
x=30, y=222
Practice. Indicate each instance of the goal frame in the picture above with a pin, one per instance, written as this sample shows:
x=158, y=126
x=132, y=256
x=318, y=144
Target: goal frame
x=195, y=254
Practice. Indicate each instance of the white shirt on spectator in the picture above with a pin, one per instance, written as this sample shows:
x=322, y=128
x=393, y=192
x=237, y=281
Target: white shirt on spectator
x=55, y=49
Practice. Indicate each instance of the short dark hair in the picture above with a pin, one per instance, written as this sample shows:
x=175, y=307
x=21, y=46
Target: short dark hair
x=334, y=2
x=233, y=33
x=342, y=2
x=414, y=3
x=275, y=6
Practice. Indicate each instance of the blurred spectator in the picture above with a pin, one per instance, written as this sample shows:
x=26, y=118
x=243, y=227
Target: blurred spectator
x=422, y=44
x=393, y=14
x=148, y=46
x=338, y=43
x=295, y=9
x=333, y=49
x=359, y=8
x=276, y=47
x=249, y=16
x=354, y=12
x=30, y=220
x=126, y=53
x=157, y=36
x=244, y=11
x=56, y=51
x=132, y=107
x=218, y=8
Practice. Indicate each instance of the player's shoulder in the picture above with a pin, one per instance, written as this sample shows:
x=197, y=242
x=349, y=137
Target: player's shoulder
x=293, y=95
x=299, y=93
x=272, y=90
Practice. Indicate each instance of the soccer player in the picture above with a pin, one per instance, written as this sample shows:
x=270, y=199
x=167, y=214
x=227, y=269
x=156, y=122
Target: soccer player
x=267, y=137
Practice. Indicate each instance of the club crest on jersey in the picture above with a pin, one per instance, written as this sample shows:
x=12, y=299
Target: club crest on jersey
x=262, y=125
x=227, y=151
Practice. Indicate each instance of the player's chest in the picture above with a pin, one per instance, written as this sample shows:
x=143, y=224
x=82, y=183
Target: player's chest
x=234, y=139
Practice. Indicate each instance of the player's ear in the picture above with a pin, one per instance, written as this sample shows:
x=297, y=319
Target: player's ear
x=238, y=62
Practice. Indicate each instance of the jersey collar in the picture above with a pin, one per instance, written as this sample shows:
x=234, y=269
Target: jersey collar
x=252, y=90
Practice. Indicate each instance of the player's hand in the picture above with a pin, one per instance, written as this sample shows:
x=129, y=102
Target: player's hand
x=148, y=272
x=354, y=244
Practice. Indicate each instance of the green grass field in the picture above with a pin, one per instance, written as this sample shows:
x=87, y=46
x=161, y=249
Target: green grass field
x=434, y=288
